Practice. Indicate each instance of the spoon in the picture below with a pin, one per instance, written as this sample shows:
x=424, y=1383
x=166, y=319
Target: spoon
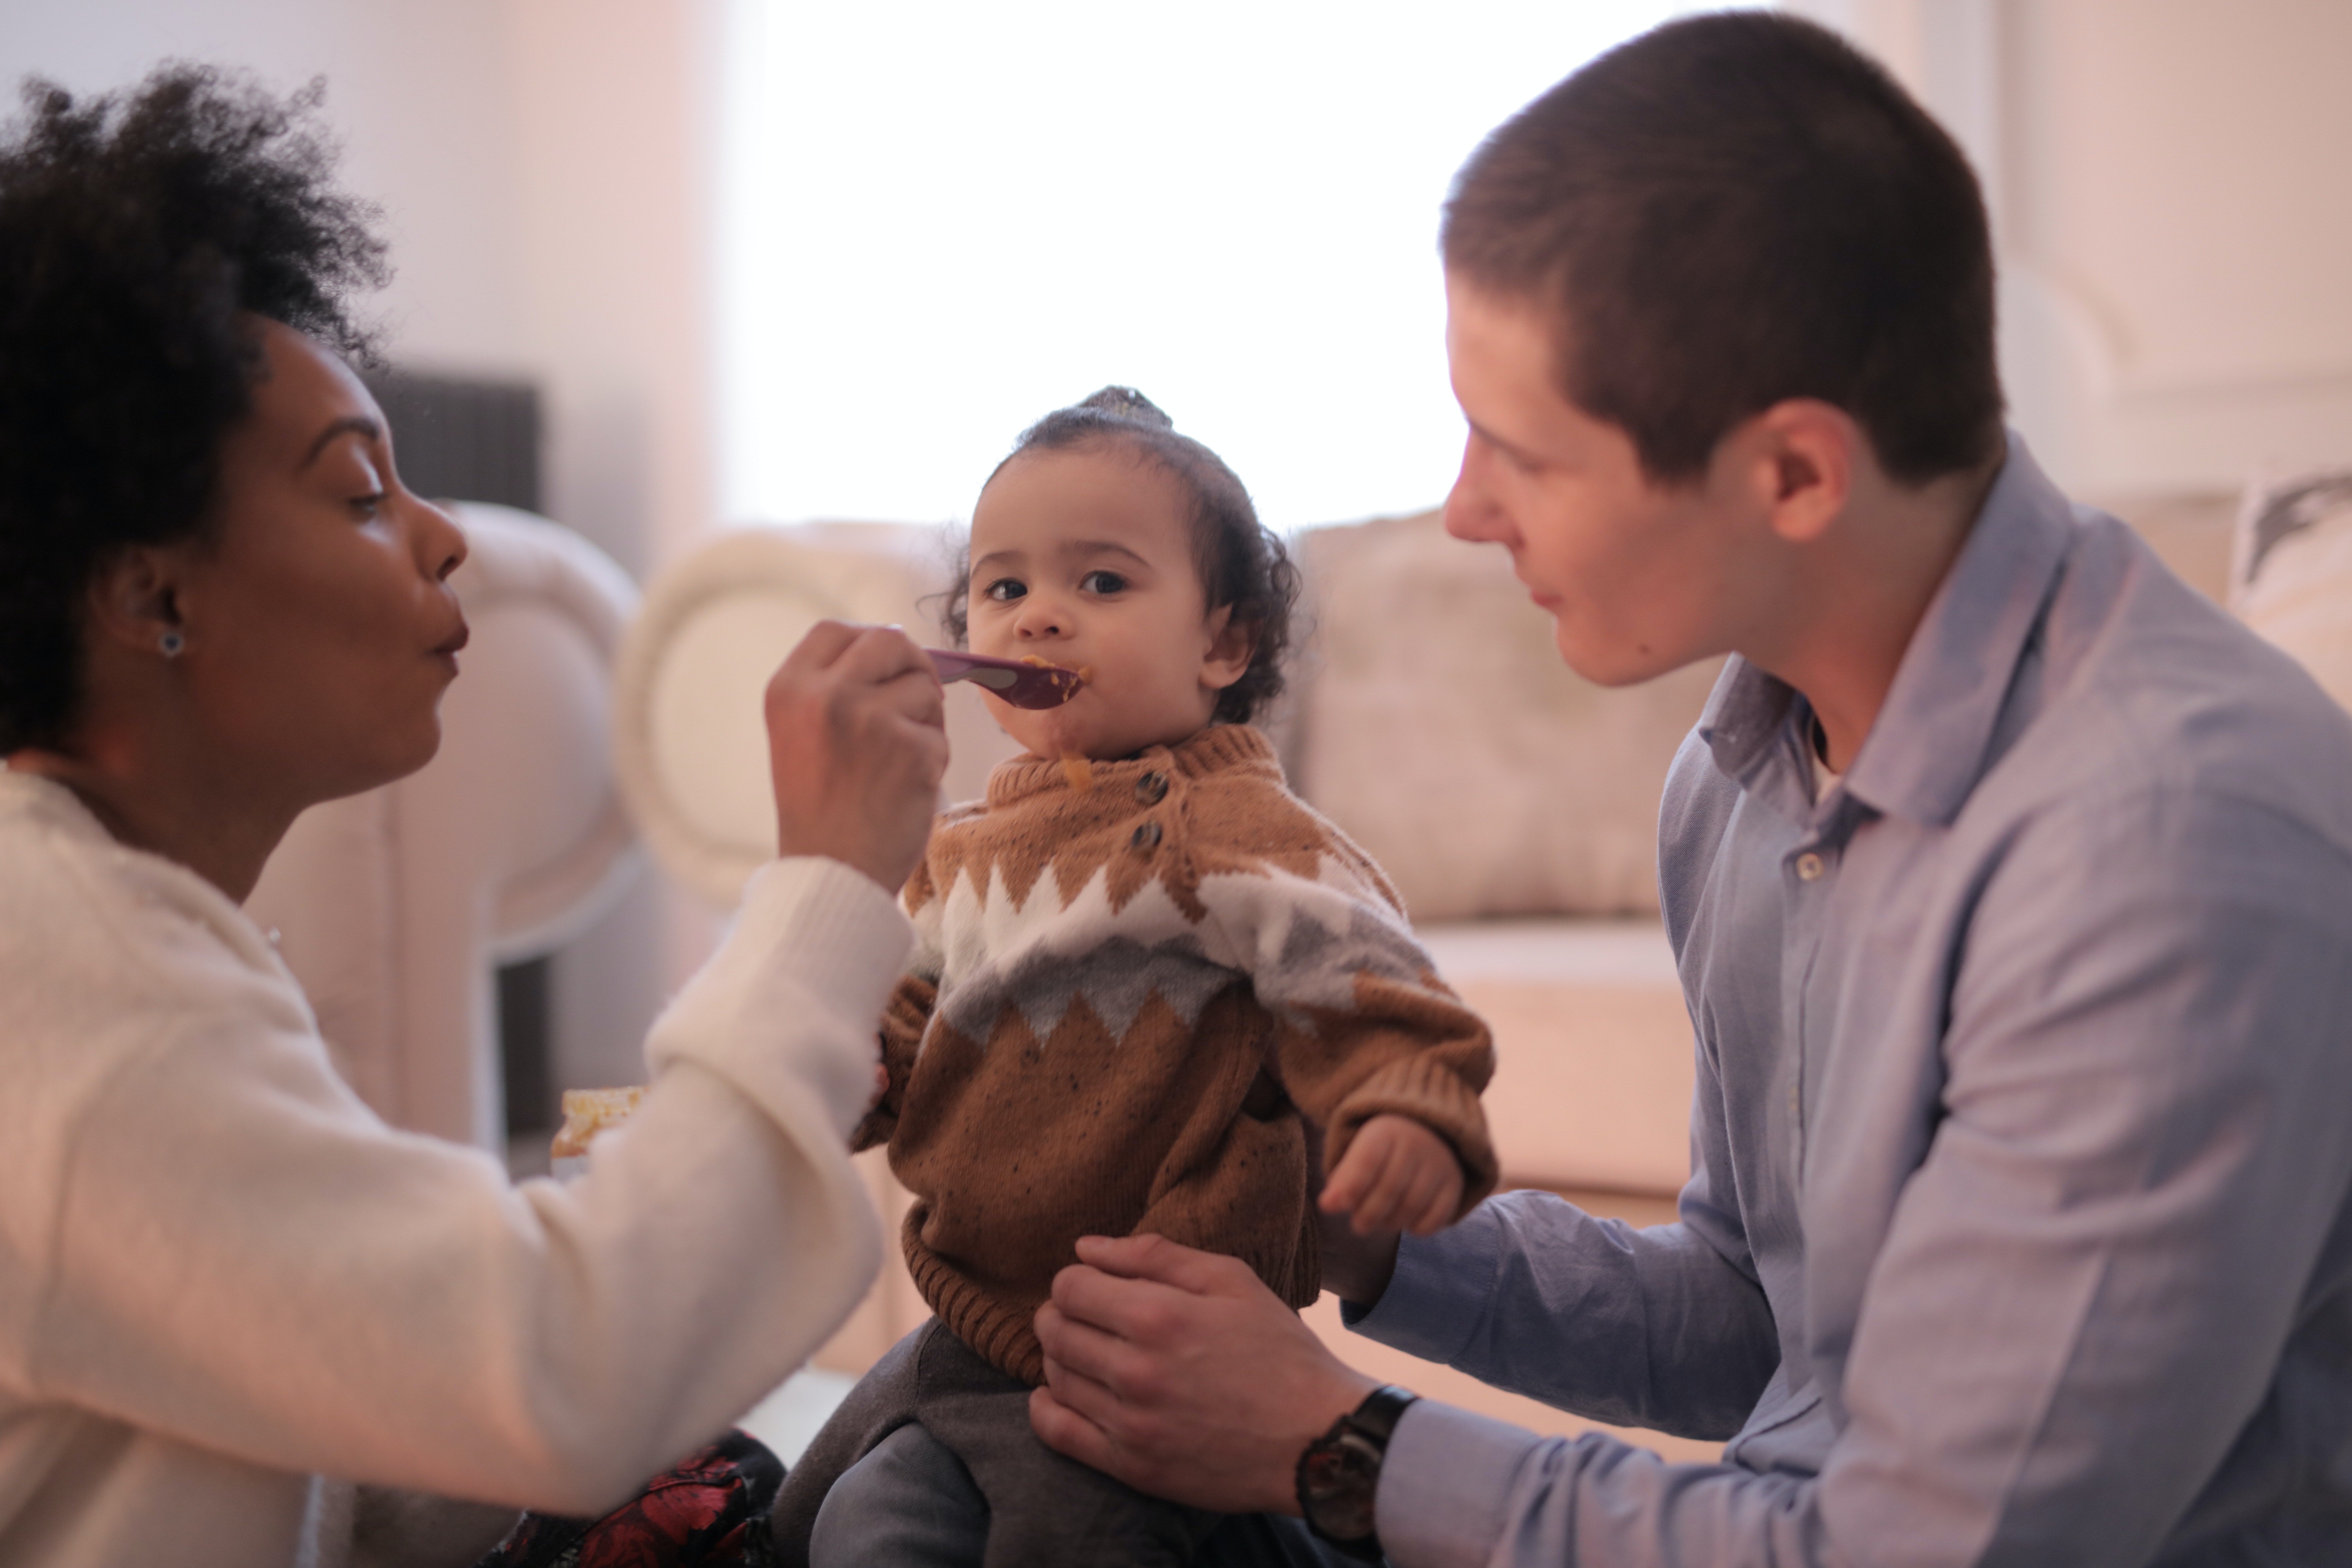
x=1019, y=682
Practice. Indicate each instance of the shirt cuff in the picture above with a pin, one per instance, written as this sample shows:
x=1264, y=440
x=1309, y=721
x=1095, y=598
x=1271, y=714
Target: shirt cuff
x=1422, y=1312
x=792, y=1002
x=1445, y=1486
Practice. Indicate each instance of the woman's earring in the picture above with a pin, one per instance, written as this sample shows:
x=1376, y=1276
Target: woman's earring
x=173, y=643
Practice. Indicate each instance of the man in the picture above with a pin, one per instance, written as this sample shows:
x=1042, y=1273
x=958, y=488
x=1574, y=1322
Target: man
x=2011, y=885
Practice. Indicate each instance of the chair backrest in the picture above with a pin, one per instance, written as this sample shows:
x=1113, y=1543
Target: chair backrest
x=690, y=737
x=393, y=907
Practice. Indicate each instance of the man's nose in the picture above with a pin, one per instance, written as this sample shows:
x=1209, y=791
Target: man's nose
x=1470, y=512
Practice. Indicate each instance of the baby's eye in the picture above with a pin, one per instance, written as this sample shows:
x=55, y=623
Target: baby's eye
x=1005, y=589
x=1101, y=582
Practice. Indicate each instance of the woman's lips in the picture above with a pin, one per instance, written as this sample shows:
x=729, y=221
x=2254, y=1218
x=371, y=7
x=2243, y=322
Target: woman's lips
x=454, y=640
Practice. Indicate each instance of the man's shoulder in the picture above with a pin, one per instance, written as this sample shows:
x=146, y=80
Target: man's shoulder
x=2138, y=688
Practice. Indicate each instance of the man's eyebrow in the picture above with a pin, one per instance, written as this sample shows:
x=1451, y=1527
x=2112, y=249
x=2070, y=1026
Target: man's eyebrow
x=349, y=425
x=1512, y=448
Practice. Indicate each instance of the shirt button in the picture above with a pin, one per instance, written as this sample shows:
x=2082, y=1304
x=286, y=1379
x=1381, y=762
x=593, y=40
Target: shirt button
x=1810, y=867
x=1152, y=788
x=1146, y=839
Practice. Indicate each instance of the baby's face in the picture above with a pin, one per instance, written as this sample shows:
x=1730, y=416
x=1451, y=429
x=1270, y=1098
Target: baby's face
x=1084, y=558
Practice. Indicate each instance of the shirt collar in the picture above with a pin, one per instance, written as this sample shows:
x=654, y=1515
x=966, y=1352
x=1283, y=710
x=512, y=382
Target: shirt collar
x=1928, y=748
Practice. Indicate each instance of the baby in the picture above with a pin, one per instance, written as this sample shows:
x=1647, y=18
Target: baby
x=1153, y=992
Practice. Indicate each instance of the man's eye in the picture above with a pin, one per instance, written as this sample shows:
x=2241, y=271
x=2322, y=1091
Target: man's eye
x=1005, y=589
x=1102, y=583
x=368, y=506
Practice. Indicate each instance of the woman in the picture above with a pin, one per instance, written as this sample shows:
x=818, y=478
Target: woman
x=221, y=1277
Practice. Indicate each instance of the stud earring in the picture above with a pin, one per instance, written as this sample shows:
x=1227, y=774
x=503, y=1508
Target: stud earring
x=173, y=643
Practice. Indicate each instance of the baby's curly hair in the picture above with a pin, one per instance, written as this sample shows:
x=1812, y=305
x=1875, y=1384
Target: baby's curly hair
x=1242, y=563
x=139, y=231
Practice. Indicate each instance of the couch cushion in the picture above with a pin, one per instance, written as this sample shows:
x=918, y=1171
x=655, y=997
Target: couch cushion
x=1592, y=1048
x=1437, y=725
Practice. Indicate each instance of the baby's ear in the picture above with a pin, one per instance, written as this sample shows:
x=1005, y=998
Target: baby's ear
x=1232, y=644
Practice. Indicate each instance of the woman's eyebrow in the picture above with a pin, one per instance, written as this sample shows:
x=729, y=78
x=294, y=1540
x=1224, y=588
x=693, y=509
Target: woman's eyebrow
x=349, y=425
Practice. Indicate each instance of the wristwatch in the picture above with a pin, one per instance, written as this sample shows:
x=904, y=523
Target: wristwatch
x=1341, y=1471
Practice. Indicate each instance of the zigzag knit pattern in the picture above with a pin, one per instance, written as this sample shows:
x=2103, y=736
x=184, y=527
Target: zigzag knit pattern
x=1165, y=1003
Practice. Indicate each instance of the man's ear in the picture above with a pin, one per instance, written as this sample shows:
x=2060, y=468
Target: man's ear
x=1231, y=645
x=1802, y=453
x=133, y=600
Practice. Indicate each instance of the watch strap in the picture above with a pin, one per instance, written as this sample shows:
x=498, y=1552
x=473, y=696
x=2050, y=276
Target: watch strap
x=1371, y=1424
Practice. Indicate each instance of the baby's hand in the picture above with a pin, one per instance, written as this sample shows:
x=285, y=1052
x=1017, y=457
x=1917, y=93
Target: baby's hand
x=1396, y=1175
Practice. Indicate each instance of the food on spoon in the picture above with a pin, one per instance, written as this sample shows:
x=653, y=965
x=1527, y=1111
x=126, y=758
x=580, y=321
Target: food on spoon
x=1078, y=771
x=587, y=1113
x=1085, y=672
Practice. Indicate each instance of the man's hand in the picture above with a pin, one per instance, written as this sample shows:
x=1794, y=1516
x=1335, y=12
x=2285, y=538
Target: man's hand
x=1182, y=1374
x=1396, y=1175
x=857, y=743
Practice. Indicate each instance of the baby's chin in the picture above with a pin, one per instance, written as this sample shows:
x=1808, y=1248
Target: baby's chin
x=1070, y=731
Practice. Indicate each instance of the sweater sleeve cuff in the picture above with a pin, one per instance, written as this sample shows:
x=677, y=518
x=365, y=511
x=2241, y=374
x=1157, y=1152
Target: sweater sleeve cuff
x=1445, y=1486
x=1421, y=1312
x=791, y=1004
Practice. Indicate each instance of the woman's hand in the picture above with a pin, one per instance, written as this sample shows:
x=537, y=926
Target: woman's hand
x=1396, y=1175
x=856, y=743
x=1182, y=1374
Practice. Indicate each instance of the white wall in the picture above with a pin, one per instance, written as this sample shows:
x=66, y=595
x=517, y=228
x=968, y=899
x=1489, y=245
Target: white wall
x=2173, y=220
x=539, y=164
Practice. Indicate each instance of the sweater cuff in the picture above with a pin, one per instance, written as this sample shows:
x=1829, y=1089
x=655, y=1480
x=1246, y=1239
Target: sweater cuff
x=1427, y=1089
x=1445, y=1486
x=790, y=1004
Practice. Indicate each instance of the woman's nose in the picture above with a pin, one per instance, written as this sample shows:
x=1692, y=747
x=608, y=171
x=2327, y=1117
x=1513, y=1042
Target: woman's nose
x=440, y=543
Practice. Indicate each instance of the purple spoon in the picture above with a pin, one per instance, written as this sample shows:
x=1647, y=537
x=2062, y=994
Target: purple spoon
x=1022, y=684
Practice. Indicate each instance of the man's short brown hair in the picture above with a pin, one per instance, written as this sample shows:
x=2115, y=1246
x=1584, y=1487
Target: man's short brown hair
x=1733, y=210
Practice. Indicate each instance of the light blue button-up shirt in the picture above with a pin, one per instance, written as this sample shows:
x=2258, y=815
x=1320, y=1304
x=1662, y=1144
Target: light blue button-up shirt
x=2019, y=1228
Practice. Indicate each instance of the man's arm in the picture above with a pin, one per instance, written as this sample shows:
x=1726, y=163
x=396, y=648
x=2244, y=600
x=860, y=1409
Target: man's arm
x=2081, y=1302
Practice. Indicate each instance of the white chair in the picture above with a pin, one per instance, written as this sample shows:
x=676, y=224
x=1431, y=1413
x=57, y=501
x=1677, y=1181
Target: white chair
x=393, y=908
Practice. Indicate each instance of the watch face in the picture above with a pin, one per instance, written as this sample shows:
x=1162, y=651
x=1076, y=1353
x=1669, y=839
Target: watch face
x=1340, y=1476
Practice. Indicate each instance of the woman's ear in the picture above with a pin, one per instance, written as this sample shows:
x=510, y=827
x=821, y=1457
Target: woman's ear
x=1232, y=644
x=133, y=601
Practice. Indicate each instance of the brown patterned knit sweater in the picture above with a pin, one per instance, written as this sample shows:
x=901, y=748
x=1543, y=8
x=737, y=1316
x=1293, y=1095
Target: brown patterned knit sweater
x=1142, y=1006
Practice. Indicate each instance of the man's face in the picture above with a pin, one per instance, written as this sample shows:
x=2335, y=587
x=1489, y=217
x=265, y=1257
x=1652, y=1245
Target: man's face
x=1638, y=580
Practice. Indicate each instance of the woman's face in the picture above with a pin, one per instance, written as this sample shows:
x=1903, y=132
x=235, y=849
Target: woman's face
x=321, y=629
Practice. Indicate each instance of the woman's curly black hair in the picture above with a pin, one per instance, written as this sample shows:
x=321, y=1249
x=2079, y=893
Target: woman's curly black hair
x=1243, y=564
x=139, y=232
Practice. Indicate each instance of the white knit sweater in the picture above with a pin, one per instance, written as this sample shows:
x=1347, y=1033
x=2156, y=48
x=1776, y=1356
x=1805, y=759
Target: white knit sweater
x=221, y=1276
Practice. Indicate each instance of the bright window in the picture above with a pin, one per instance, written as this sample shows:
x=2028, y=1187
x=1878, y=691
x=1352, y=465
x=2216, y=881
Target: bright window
x=940, y=221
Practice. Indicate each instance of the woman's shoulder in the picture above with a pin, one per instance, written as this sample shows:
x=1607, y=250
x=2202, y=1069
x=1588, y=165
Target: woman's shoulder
x=90, y=929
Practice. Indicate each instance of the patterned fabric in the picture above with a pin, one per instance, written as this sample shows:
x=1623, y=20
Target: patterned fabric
x=1162, y=1003
x=709, y=1512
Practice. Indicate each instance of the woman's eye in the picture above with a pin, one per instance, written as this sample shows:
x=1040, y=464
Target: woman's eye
x=366, y=507
x=1005, y=589
x=1102, y=583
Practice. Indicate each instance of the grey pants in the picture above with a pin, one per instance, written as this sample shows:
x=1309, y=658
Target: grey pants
x=1041, y=1507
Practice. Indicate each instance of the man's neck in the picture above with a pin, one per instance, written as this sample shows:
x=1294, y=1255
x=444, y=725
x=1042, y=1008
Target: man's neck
x=1866, y=585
